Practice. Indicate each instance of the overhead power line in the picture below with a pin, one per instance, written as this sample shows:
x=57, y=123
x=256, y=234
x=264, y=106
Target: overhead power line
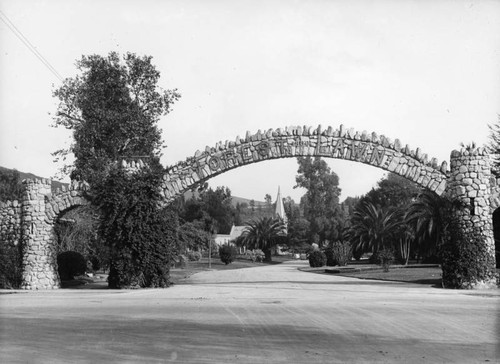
x=28, y=44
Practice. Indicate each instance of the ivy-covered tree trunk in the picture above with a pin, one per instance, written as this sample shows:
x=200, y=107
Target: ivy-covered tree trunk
x=141, y=236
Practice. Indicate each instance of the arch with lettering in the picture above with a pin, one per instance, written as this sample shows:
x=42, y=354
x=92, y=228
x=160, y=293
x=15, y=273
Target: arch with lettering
x=368, y=148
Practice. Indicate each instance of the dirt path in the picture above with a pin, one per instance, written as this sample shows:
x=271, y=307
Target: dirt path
x=271, y=314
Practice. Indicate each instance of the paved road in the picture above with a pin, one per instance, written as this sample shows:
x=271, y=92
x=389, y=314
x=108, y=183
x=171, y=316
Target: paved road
x=271, y=314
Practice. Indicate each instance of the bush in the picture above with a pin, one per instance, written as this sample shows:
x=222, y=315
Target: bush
x=338, y=253
x=317, y=259
x=194, y=256
x=385, y=258
x=70, y=264
x=256, y=255
x=227, y=253
x=96, y=263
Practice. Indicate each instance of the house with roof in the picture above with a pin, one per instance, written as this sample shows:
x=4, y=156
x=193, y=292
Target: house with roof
x=237, y=231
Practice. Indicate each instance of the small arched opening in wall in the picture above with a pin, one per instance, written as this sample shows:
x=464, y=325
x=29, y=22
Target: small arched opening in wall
x=496, y=234
x=75, y=230
x=41, y=208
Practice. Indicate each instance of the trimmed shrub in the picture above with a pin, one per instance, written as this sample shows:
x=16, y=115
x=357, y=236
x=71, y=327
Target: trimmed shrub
x=385, y=258
x=227, y=253
x=338, y=253
x=317, y=259
x=256, y=255
x=70, y=264
x=194, y=256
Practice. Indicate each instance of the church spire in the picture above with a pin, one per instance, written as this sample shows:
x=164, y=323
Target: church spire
x=280, y=209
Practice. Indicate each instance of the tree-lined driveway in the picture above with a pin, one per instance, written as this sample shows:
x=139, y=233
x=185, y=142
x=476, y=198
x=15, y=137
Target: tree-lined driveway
x=269, y=314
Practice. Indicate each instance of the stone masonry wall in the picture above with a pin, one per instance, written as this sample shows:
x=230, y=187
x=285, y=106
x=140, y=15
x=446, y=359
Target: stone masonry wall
x=39, y=253
x=470, y=183
x=31, y=222
x=10, y=222
x=364, y=147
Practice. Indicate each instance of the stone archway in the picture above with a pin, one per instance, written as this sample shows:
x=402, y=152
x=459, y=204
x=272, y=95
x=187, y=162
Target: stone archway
x=342, y=143
x=468, y=180
x=40, y=209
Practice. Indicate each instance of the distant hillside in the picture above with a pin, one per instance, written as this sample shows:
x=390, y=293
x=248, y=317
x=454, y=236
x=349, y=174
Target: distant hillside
x=234, y=199
x=26, y=175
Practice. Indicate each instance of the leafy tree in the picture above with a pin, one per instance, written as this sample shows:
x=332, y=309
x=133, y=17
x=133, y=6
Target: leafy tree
x=217, y=204
x=321, y=201
x=213, y=204
x=494, y=144
x=141, y=236
x=264, y=234
x=252, y=205
x=393, y=191
x=10, y=185
x=349, y=205
x=269, y=201
x=112, y=106
x=192, y=236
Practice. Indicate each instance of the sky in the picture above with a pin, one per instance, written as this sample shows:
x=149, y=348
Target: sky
x=425, y=72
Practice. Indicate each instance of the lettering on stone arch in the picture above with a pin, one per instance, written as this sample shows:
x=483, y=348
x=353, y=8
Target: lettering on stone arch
x=199, y=169
x=377, y=156
x=283, y=148
x=231, y=159
x=245, y=153
x=263, y=149
x=359, y=151
x=338, y=149
x=214, y=163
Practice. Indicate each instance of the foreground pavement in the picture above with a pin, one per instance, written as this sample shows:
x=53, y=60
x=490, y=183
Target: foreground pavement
x=270, y=314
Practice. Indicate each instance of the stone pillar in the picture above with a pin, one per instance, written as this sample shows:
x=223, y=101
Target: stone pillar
x=469, y=185
x=39, y=253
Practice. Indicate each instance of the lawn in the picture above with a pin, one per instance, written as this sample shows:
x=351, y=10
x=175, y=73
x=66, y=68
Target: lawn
x=177, y=274
x=99, y=281
x=414, y=274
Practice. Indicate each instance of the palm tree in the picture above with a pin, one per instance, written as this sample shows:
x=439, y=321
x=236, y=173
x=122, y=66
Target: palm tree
x=372, y=228
x=428, y=216
x=263, y=234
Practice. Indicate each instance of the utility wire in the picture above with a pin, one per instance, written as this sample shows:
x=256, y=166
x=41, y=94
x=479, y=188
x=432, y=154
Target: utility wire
x=28, y=44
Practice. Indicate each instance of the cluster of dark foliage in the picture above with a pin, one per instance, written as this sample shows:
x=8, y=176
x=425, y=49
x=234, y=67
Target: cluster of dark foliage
x=385, y=258
x=227, y=253
x=11, y=187
x=465, y=259
x=141, y=235
x=10, y=264
x=194, y=256
x=70, y=264
x=338, y=253
x=10, y=248
x=317, y=259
